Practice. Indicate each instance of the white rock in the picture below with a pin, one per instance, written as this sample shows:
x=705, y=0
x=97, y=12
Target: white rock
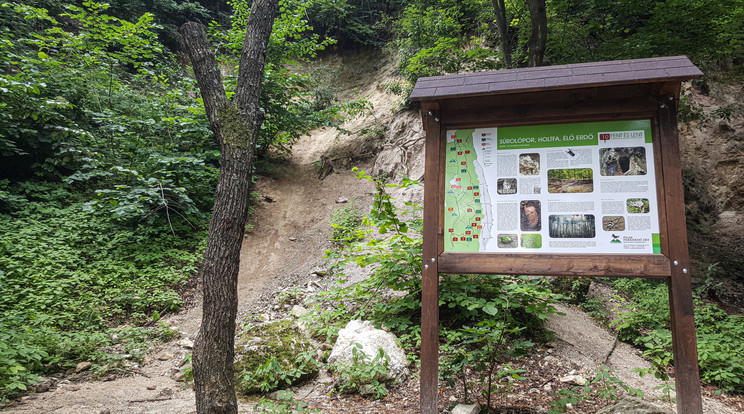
x=573, y=379
x=299, y=311
x=186, y=343
x=371, y=340
x=165, y=356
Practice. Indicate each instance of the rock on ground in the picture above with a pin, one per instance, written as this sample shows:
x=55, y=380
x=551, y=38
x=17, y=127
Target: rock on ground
x=632, y=405
x=371, y=340
x=281, y=341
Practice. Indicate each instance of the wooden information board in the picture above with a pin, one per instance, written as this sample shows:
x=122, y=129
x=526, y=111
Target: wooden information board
x=569, y=170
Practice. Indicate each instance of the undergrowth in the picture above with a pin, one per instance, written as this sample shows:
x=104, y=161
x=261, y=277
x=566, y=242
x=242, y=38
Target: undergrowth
x=70, y=276
x=647, y=324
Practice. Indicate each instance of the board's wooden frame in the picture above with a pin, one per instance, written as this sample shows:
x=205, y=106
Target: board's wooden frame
x=656, y=101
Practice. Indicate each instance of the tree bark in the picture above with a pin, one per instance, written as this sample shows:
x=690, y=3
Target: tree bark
x=539, y=36
x=236, y=124
x=501, y=24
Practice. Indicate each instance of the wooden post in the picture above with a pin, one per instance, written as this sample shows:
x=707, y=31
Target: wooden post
x=681, y=307
x=430, y=273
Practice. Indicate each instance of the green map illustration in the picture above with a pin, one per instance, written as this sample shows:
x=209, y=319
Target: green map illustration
x=463, y=210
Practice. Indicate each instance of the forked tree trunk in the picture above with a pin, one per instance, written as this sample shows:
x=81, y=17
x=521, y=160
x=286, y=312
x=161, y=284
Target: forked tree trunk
x=539, y=35
x=235, y=124
x=503, y=27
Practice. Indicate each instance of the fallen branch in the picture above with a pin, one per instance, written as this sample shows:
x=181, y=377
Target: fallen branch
x=149, y=400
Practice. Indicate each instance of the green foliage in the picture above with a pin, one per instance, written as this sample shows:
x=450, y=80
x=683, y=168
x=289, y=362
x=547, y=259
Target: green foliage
x=483, y=347
x=434, y=41
x=273, y=374
x=604, y=386
x=484, y=318
x=348, y=21
x=285, y=404
x=720, y=352
x=360, y=373
x=288, y=97
x=104, y=106
x=188, y=367
x=345, y=224
x=586, y=30
x=19, y=357
x=67, y=275
x=278, y=357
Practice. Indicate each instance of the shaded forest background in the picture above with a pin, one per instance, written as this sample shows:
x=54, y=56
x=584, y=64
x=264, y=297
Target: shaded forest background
x=108, y=168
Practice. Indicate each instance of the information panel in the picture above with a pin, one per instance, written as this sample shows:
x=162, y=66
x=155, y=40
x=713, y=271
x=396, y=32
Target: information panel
x=561, y=188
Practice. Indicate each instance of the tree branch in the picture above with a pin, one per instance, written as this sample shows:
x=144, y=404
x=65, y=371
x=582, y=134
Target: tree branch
x=206, y=71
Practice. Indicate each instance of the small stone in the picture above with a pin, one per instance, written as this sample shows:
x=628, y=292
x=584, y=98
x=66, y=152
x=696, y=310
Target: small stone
x=466, y=409
x=569, y=406
x=165, y=356
x=299, y=311
x=547, y=388
x=176, y=375
x=44, y=385
x=165, y=392
x=105, y=411
x=293, y=239
x=151, y=387
x=186, y=343
x=533, y=391
x=452, y=398
x=366, y=389
x=341, y=200
x=83, y=366
x=146, y=360
x=573, y=379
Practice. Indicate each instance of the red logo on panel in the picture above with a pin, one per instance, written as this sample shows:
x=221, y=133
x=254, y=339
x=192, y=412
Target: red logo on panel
x=604, y=137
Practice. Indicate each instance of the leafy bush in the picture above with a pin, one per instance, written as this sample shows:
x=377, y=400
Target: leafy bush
x=509, y=307
x=285, y=404
x=359, y=374
x=345, y=225
x=273, y=374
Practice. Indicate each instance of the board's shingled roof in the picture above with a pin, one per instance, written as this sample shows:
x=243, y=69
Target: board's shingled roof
x=617, y=72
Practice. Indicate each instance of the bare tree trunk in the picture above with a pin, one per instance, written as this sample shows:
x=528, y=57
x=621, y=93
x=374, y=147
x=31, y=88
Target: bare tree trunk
x=501, y=24
x=235, y=124
x=539, y=36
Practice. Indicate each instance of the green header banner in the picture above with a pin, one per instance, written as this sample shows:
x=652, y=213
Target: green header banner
x=568, y=135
